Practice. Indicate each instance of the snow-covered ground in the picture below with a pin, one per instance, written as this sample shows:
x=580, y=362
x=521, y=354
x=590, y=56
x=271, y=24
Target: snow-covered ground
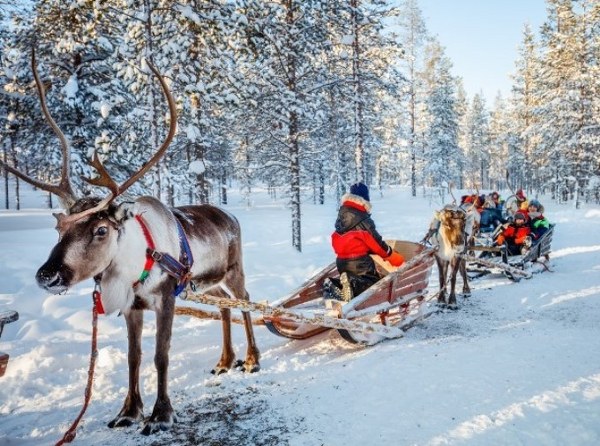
x=518, y=364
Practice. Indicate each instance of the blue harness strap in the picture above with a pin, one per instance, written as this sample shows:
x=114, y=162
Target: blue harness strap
x=186, y=259
x=179, y=269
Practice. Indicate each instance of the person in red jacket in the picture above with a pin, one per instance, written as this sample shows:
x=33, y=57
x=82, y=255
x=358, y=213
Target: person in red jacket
x=516, y=235
x=353, y=240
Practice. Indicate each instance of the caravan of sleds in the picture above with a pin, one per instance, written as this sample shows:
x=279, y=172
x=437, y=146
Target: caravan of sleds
x=401, y=298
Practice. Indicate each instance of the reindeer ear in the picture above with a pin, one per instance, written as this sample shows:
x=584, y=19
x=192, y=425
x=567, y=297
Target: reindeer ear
x=124, y=211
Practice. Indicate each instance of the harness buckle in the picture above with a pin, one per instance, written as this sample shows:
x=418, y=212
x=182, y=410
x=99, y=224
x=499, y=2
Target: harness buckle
x=155, y=255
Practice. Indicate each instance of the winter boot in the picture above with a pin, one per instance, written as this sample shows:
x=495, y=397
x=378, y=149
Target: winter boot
x=347, y=293
x=331, y=290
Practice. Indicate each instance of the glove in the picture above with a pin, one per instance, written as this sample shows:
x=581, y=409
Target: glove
x=395, y=258
x=527, y=242
x=522, y=240
x=500, y=240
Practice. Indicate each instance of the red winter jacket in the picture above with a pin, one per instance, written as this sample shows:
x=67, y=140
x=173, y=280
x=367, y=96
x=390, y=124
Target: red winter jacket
x=514, y=234
x=355, y=237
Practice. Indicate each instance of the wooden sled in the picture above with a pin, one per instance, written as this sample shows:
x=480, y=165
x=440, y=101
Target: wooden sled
x=6, y=317
x=383, y=311
x=514, y=267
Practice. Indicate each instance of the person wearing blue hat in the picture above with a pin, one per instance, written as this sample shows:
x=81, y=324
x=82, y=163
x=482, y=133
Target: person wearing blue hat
x=354, y=239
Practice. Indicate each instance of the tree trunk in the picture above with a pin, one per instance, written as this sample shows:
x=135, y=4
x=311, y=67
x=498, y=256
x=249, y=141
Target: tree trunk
x=294, y=146
x=359, y=149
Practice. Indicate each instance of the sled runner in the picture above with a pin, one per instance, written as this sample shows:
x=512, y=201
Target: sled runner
x=6, y=317
x=385, y=310
x=486, y=258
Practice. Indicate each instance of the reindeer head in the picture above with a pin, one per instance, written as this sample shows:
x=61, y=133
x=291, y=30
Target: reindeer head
x=85, y=248
x=452, y=223
x=89, y=230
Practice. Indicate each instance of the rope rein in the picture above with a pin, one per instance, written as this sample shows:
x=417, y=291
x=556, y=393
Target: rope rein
x=71, y=433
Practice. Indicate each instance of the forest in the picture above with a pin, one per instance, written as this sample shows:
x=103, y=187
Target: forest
x=302, y=97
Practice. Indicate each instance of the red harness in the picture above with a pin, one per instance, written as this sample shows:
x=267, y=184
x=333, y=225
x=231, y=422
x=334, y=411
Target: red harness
x=180, y=270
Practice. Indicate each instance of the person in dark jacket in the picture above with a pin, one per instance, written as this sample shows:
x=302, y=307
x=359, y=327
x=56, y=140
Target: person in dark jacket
x=354, y=239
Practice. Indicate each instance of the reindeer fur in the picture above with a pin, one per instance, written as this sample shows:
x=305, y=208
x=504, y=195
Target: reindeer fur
x=111, y=243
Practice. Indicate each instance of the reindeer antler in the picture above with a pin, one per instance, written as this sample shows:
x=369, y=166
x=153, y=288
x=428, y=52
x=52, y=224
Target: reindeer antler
x=63, y=190
x=105, y=180
x=450, y=186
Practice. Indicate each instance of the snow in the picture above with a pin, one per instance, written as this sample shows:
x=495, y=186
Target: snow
x=517, y=364
x=198, y=167
x=71, y=87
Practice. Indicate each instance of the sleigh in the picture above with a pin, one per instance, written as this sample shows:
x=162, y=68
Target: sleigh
x=485, y=258
x=6, y=317
x=385, y=310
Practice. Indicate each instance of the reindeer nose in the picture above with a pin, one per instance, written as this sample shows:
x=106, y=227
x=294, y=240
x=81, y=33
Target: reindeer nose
x=51, y=280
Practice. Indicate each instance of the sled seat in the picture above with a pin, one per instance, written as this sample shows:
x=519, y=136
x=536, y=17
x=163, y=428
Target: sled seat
x=6, y=317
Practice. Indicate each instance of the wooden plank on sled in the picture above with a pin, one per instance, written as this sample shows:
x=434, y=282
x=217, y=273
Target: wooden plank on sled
x=324, y=320
x=504, y=266
x=365, y=299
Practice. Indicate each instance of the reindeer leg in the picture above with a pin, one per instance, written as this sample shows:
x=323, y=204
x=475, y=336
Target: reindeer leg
x=442, y=270
x=452, y=298
x=132, y=411
x=463, y=272
x=252, y=354
x=227, y=354
x=162, y=417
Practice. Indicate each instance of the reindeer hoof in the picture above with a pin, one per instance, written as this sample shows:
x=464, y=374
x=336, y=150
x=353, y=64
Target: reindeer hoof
x=466, y=294
x=453, y=306
x=251, y=368
x=122, y=422
x=219, y=370
x=151, y=427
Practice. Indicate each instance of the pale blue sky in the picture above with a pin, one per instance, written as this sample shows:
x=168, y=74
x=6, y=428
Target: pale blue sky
x=481, y=38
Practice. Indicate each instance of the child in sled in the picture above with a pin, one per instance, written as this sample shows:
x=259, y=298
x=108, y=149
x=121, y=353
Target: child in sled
x=516, y=236
x=354, y=239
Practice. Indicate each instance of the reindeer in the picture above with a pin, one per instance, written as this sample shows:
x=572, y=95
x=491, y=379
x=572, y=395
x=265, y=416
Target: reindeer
x=456, y=226
x=140, y=253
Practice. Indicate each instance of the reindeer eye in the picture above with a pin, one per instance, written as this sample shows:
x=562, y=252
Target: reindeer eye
x=101, y=231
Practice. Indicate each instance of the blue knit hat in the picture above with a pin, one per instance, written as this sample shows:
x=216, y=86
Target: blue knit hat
x=361, y=190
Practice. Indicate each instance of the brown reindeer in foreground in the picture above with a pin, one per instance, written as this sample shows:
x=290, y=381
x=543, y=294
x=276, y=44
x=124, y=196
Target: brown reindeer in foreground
x=456, y=224
x=124, y=247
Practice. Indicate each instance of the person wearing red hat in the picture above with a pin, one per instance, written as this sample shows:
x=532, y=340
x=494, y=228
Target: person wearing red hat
x=516, y=236
x=353, y=240
x=522, y=200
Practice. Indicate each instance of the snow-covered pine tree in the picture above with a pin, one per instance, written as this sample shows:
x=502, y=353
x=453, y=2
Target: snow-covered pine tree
x=72, y=54
x=499, y=139
x=527, y=161
x=441, y=150
x=570, y=125
x=413, y=35
x=462, y=107
x=477, y=143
